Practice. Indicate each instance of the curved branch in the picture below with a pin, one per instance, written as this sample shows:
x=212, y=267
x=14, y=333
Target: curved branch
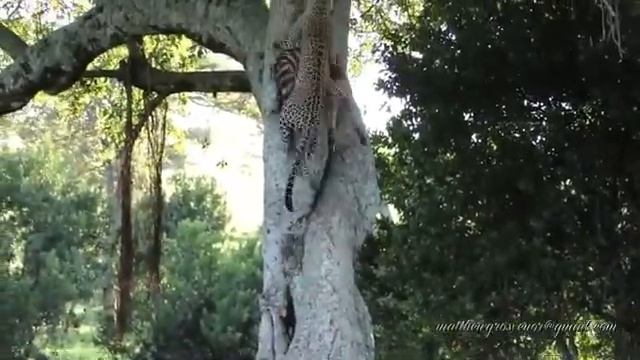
x=54, y=63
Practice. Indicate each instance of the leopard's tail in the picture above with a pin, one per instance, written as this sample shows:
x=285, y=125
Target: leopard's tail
x=288, y=201
x=297, y=168
x=288, y=193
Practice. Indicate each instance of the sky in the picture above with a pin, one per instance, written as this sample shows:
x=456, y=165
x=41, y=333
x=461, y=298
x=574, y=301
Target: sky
x=376, y=107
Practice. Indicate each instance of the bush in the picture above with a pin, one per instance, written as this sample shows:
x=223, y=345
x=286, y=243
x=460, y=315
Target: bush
x=50, y=228
x=195, y=198
x=207, y=309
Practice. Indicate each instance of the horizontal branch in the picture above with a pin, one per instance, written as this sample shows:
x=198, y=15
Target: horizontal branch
x=148, y=78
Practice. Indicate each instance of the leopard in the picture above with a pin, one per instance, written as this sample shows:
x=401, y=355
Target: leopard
x=304, y=106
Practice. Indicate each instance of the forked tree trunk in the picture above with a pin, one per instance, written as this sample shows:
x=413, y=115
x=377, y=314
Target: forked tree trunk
x=331, y=318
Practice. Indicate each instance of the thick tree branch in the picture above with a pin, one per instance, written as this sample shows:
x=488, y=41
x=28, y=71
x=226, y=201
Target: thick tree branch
x=11, y=43
x=148, y=78
x=54, y=63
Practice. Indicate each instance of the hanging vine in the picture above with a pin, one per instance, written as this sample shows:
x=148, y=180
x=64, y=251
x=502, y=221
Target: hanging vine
x=125, y=269
x=156, y=135
x=611, y=22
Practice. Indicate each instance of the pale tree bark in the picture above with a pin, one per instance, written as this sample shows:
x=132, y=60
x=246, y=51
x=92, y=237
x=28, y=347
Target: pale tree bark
x=331, y=318
x=315, y=267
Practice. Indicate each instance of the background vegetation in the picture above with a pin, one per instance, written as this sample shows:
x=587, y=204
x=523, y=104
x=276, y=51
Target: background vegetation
x=512, y=168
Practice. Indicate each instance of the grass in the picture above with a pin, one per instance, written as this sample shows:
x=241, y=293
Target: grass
x=76, y=343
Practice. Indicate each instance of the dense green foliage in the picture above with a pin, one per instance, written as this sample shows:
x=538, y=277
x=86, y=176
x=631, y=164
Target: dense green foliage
x=513, y=169
x=53, y=228
x=56, y=251
x=196, y=199
x=207, y=309
x=59, y=222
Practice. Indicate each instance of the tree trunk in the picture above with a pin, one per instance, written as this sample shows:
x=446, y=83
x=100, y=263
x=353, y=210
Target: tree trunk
x=317, y=266
x=156, y=244
x=125, y=264
x=155, y=250
x=157, y=137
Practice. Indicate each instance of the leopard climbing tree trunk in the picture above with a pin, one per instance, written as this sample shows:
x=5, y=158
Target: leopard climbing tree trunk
x=316, y=269
x=331, y=318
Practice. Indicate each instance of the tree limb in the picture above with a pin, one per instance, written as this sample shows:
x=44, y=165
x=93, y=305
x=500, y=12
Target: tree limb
x=146, y=77
x=11, y=43
x=55, y=62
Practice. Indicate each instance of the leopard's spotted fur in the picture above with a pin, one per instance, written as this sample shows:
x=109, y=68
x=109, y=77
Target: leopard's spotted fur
x=302, y=109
